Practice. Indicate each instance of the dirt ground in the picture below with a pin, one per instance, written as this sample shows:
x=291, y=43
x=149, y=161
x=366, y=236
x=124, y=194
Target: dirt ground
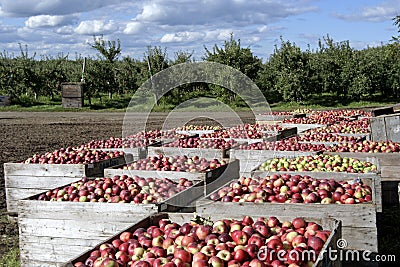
x=26, y=133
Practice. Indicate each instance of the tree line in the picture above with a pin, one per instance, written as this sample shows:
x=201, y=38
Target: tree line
x=289, y=74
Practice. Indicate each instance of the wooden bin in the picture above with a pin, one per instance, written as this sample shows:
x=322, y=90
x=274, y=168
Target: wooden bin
x=389, y=164
x=358, y=221
x=72, y=95
x=52, y=232
x=213, y=179
x=323, y=261
x=24, y=180
x=250, y=159
x=5, y=101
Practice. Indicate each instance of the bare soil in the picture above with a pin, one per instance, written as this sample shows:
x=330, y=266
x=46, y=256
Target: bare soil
x=24, y=133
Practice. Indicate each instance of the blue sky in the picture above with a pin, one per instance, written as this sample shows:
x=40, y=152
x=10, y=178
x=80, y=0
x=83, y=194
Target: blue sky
x=50, y=27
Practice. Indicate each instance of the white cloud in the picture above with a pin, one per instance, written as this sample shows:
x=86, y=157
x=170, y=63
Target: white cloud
x=48, y=21
x=181, y=37
x=133, y=27
x=90, y=27
x=383, y=12
x=24, y=8
x=173, y=12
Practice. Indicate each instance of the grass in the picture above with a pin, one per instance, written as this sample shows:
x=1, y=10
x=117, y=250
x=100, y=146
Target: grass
x=120, y=103
x=10, y=259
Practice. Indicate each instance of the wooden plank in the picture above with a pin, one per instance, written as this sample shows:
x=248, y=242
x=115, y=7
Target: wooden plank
x=72, y=228
x=96, y=211
x=30, y=263
x=378, y=132
x=37, y=182
x=51, y=252
x=21, y=169
x=15, y=194
x=389, y=173
x=393, y=127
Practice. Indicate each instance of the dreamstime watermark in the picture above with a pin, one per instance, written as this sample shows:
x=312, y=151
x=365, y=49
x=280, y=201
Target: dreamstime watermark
x=339, y=253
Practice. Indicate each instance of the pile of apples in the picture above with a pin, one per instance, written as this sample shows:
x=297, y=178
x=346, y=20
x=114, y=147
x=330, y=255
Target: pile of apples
x=157, y=135
x=118, y=143
x=71, y=155
x=320, y=119
x=325, y=137
x=277, y=113
x=175, y=163
x=196, y=142
x=226, y=242
x=118, y=189
x=192, y=127
x=342, y=112
x=347, y=127
x=244, y=131
x=322, y=163
x=291, y=144
x=286, y=188
x=367, y=146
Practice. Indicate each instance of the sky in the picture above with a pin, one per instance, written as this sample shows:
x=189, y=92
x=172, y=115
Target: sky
x=55, y=27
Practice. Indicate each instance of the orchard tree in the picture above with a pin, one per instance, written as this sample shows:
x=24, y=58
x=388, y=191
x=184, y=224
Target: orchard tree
x=237, y=57
x=109, y=53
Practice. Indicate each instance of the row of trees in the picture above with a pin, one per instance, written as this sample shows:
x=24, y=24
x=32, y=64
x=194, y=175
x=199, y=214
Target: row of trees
x=289, y=74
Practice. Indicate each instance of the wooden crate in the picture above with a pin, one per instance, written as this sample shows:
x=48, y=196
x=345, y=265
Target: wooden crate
x=213, y=179
x=4, y=101
x=331, y=244
x=24, y=180
x=250, y=159
x=359, y=226
x=53, y=232
x=303, y=127
x=389, y=171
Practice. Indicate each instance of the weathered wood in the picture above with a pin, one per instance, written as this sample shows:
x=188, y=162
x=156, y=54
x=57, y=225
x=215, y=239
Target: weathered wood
x=378, y=129
x=24, y=180
x=392, y=124
x=330, y=224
